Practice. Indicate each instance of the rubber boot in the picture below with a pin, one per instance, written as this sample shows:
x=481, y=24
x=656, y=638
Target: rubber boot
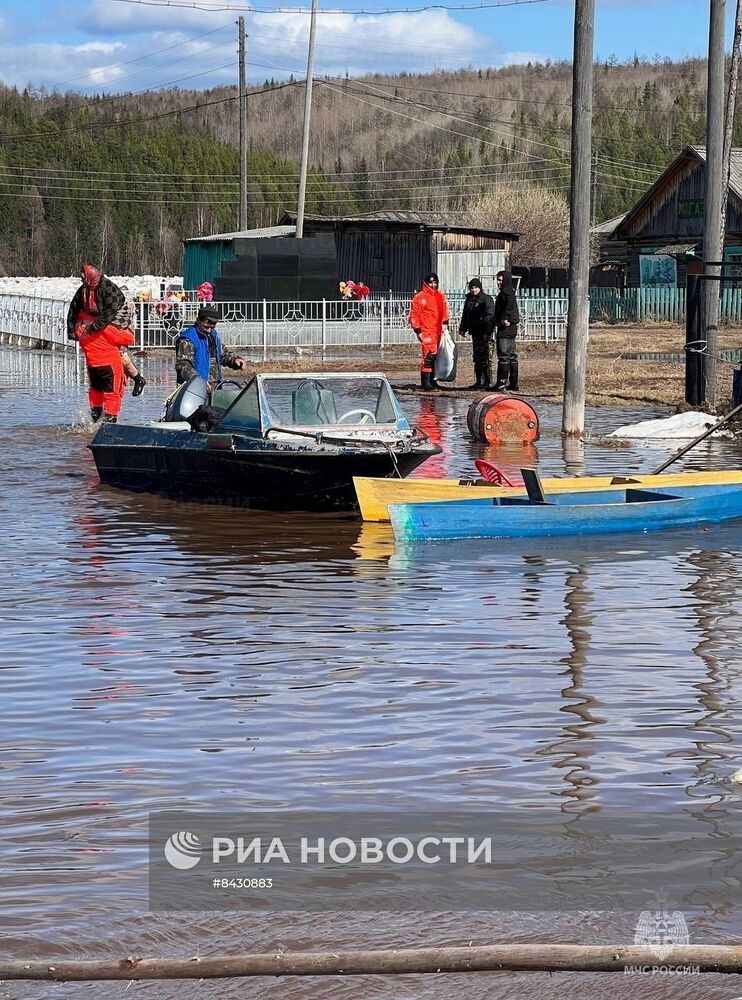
x=481, y=380
x=96, y=412
x=139, y=383
x=513, y=380
x=426, y=381
x=503, y=367
x=433, y=383
x=110, y=418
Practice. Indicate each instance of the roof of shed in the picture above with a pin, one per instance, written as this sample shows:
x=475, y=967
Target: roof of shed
x=287, y=227
x=245, y=234
x=431, y=220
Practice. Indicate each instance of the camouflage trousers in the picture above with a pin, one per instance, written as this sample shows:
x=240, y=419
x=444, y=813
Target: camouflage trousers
x=482, y=351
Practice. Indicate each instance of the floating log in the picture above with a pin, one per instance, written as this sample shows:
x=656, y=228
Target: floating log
x=402, y=961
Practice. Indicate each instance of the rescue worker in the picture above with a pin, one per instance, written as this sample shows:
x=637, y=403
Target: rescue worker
x=428, y=318
x=95, y=305
x=507, y=318
x=102, y=350
x=199, y=351
x=478, y=320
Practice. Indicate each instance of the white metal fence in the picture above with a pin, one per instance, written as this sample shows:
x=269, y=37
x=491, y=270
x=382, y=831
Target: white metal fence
x=265, y=326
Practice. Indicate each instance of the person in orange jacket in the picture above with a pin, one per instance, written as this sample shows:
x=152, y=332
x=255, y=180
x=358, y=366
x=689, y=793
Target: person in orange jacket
x=428, y=318
x=105, y=368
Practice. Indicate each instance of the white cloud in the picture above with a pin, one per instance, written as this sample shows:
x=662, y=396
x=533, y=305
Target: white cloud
x=104, y=17
x=361, y=44
x=53, y=64
x=106, y=48
x=519, y=58
x=135, y=47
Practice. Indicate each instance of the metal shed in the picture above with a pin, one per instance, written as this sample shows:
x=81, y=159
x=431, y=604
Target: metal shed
x=203, y=255
x=390, y=251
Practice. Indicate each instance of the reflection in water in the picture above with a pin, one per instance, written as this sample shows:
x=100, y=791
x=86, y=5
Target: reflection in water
x=573, y=451
x=581, y=741
x=715, y=590
x=165, y=655
x=429, y=423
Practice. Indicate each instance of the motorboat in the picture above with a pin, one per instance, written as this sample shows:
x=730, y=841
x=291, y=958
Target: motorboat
x=277, y=442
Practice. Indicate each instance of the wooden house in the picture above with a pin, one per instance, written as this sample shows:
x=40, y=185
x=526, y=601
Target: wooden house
x=661, y=237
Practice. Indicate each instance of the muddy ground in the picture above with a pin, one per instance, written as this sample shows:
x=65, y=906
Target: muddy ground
x=612, y=377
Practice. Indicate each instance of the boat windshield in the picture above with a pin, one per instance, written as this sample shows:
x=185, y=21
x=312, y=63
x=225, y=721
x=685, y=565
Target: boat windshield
x=308, y=401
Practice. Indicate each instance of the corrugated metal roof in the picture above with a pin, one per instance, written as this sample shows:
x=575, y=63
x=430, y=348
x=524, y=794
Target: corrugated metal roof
x=246, y=234
x=607, y=227
x=677, y=249
x=431, y=220
x=735, y=175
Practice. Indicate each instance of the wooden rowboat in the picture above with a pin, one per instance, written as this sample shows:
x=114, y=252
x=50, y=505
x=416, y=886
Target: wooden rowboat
x=599, y=512
x=375, y=495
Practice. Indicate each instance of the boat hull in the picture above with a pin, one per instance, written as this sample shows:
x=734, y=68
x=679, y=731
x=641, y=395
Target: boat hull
x=375, y=495
x=228, y=469
x=577, y=513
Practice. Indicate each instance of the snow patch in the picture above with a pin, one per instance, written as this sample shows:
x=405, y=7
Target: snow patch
x=65, y=288
x=680, y=425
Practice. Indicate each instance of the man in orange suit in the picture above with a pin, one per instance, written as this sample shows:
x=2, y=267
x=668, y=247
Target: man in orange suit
x=105, y=368
x=428, y=318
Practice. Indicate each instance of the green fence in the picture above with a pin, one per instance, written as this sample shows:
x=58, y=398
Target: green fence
x=639, y=305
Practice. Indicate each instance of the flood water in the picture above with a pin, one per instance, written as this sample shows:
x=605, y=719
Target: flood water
x=162, y=655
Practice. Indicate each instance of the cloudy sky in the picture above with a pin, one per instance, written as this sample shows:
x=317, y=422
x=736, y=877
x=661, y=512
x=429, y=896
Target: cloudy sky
x=94, y=46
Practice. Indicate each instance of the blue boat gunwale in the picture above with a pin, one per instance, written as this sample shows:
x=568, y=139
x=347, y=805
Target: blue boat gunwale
x=594, y=512
x=593, y=498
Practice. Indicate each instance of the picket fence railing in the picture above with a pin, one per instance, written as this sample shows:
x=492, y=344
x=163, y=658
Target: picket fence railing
x=646, y=305
x=269, y=326
x=376, y=322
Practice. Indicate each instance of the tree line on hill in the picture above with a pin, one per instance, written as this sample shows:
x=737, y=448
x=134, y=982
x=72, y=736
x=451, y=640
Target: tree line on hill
x=123, y=180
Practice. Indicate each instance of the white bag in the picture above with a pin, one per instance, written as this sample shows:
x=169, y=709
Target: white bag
x=446, y=359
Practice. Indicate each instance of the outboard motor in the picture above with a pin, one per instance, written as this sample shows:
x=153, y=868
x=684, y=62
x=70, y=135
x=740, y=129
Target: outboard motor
x=186, y=399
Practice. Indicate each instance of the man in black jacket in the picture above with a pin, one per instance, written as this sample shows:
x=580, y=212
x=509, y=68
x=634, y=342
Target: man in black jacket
x=507, y=318
x=478, y=320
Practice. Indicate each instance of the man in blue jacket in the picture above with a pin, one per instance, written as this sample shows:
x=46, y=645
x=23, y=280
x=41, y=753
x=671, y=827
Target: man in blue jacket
x=199, y=351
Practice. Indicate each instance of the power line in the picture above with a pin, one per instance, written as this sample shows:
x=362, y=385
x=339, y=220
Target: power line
x=476, y=124
x=335, y=10
x=520, y=100
x=357, y=191
x=370, y=198
x=486, y=171
x=11, y=137
x=149, y=55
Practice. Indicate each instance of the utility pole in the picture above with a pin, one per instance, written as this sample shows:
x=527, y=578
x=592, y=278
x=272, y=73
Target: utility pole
x=305, y=135
x=595, y=189
x=243, y=129
x=729, y=119
x=712, y=247
x=573, y=410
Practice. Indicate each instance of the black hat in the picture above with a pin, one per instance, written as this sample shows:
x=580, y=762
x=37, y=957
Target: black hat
x=208, y=312
x=475, y=283
x=431, y=277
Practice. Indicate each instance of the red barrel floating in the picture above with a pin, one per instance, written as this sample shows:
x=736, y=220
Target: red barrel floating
x=501, y=419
